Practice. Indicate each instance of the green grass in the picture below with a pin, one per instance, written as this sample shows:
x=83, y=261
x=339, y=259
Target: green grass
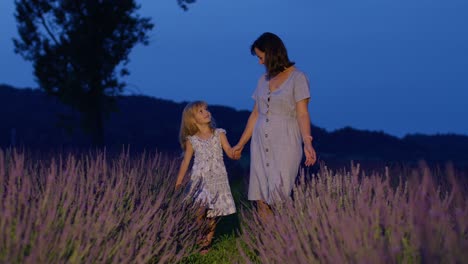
x=224, y=250
x=224, y=246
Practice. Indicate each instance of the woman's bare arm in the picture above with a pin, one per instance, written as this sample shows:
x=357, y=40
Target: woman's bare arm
x=303, y=119
x=247, y=134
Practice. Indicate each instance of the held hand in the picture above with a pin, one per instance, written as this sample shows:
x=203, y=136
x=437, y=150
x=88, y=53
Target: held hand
x=311, y=156
x=236, y=156
x=236, y=151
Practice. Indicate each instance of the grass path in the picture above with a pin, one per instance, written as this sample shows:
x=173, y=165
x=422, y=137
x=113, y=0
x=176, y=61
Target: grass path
x=224, y=247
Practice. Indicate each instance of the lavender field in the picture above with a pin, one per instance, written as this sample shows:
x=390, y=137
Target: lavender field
x=91, y=209
x=95, y=208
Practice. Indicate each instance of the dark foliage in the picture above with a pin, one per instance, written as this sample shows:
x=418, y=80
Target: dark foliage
x=78, y=50
x=184, y=3
x=149, y=123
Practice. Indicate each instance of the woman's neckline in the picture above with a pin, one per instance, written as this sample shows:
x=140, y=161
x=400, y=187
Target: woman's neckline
x=291, y=69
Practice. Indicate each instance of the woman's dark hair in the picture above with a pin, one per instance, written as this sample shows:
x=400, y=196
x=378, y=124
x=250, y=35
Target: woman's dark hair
x=276, y=56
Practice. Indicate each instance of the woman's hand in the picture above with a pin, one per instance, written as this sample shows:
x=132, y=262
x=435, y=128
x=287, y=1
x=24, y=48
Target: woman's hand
x=311, y=156
x=237, y=150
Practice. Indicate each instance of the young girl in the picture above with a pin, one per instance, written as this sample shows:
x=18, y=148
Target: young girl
x=199, y=136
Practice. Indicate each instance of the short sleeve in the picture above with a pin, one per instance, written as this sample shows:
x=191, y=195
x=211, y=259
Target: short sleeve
x=220, y=130
x=301, y=87
x=190, y=139
x=255, y=94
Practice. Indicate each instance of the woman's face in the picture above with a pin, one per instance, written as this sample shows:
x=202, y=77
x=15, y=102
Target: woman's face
x=260, y=56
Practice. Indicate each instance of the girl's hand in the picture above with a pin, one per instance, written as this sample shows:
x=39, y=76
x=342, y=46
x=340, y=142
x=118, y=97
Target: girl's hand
x=236, y=151
x=311, y=156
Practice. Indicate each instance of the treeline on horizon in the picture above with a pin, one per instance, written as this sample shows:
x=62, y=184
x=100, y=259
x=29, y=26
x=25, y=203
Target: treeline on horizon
x=33, y=120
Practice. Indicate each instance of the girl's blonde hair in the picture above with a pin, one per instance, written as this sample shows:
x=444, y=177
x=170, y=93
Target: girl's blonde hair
x=188, y=127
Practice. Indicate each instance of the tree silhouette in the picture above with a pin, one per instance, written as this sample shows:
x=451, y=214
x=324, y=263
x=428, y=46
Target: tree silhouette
x=79, y=49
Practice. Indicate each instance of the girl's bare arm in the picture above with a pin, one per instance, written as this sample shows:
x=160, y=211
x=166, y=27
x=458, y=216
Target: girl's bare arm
x=185, y=163
x=226, y=146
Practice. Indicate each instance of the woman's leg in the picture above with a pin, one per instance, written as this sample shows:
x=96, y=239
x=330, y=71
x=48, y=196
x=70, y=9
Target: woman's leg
x=263, y=209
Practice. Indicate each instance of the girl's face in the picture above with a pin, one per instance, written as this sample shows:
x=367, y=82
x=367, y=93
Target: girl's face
x=202, y=115
x=260, y=56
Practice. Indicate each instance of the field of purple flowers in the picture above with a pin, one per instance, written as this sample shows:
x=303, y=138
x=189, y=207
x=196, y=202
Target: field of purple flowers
x=350, y=217
x=91, y=208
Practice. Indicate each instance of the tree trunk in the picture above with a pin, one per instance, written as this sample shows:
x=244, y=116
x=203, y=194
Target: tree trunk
x=98, y=133
x=96, y=117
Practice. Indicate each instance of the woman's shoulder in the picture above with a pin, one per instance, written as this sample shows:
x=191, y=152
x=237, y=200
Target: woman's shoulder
x=300, y=75
x=262, y=78
x=299, y=72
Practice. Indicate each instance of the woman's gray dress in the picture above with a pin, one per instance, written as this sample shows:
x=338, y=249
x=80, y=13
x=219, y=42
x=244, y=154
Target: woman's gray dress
x=276, y=144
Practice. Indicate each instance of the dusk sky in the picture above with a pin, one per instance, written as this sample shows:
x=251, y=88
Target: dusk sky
x=398, y=66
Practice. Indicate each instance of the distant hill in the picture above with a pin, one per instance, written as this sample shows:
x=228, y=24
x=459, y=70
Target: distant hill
x=30, y=118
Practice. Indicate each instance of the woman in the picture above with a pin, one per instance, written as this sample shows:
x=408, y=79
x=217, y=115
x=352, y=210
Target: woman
x=279, y=124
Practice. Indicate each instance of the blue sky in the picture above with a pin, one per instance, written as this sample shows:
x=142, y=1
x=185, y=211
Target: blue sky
x=398, y=66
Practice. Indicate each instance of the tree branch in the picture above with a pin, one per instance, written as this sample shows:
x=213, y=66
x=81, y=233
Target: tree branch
x=44, y=23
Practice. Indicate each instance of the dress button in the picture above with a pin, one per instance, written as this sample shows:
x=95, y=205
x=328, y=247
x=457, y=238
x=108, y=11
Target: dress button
x=268, y=164
x=266, y=135
x=267, y=119
x=266, y=150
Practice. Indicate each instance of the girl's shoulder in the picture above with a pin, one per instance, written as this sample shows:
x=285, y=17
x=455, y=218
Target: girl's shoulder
x=219, y=130
x=191, y=139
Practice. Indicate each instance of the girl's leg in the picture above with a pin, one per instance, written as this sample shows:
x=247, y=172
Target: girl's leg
x=201, y=214
x=211, y=231
x=205, y=243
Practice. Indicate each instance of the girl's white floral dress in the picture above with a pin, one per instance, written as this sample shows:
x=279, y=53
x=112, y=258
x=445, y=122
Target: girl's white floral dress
x=208, y=169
